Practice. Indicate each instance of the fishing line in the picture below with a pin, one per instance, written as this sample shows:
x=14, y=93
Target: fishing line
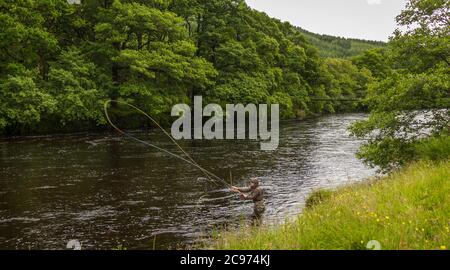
x=211, y=176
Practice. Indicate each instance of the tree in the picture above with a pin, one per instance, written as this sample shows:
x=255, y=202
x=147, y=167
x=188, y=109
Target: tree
x=77, y=89
x=422, y=41
x=346, y=82
x=22, y=102
x=375, y=60
x=149, y=52
x=411, y=103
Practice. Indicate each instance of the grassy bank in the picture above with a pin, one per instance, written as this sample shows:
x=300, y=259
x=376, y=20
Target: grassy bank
x=409, y=209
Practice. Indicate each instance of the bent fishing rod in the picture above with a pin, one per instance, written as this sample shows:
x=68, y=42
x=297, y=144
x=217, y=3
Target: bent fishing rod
x=209, y=175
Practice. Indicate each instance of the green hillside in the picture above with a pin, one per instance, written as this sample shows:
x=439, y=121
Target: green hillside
x=338, y=47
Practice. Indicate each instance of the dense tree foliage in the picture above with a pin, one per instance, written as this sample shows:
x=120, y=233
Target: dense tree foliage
x=59, y=61
x=410, y=102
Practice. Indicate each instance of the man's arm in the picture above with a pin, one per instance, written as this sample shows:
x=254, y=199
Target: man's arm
x=244, y=189
x=240, y=190
x=253, y=195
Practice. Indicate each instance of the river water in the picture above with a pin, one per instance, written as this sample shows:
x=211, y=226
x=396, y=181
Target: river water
x=106, y=191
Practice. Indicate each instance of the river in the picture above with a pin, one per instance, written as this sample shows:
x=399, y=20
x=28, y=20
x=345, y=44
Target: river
x=106, y=191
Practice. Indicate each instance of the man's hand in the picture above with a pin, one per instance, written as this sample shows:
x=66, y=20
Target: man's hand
x=243, y=196
x=234, y=189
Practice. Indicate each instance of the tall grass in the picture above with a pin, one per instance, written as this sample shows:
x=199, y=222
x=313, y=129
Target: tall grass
x=409, y=209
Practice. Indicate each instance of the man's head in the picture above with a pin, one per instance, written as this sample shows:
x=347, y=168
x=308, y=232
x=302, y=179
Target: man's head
x=254, y=183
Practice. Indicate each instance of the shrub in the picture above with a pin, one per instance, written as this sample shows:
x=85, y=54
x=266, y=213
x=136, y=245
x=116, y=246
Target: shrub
x=318, y=197
x=435, y=149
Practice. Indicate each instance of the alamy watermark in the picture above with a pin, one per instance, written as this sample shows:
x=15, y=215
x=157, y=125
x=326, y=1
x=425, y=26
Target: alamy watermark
x=228, y=124
x=373, y=245
x=73, y=245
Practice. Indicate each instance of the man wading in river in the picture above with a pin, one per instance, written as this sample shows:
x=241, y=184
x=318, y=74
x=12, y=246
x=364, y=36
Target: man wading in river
x=256, y=194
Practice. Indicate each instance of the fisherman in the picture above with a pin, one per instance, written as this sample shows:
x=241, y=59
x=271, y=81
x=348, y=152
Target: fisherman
x=256, y=194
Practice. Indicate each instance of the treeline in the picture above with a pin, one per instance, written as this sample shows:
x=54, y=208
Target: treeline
x=60, y=62
x=339, y=47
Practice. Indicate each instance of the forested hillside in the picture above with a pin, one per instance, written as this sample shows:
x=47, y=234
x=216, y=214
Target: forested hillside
x=60, y=62
x=339, y=47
